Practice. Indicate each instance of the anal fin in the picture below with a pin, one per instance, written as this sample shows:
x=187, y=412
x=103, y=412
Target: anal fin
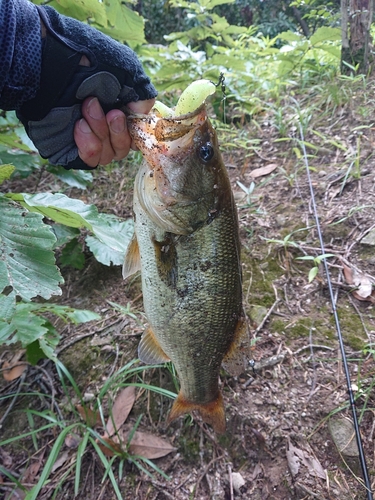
x=236, y=359
x=132, y=261
x=212, y=413
x=149, y=350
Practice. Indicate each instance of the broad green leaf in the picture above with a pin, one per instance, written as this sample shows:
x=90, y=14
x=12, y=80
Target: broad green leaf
x=109, y=230
x=64, y=234
x=58, y=207
x=112, y=232
x=80, y=9
x=80, y=179
x=27, y=262
x=124, y=24
x=83, y=316
x=103, y=253
x=290, y=36
x=72, y=255
x=12, y=141
x=210, y=4
x=25, y=163
x=331, y=49
x=7, y=306
x=5, y=172
x=324, y=34
x=26, y=327
x=34, y=352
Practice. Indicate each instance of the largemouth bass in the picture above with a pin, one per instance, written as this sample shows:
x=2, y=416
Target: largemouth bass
x=186, y=245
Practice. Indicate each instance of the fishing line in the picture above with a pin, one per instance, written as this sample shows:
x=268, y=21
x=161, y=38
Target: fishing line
x=362, y=457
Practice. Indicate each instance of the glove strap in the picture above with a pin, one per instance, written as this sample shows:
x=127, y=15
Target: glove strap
x=59, y=64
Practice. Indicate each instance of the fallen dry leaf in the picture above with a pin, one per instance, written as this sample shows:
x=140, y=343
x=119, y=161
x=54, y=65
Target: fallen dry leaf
x=110, y=446
x=72, y=441
x=60, y=461
x=363, y=284
x=267, y=169
x=17, y=494
x=149, y=446
x=122, y=406
x=33, y=469
x=11, y=371
x=92, y=418
x=297, y=456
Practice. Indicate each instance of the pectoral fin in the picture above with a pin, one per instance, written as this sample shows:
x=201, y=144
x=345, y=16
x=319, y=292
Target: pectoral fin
x=132, y=262
x=166, y=259
x=212, y=413
x=236, y=359
x=149, y=350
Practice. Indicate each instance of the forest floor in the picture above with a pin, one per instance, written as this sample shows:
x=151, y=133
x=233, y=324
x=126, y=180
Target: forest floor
x=289, y=426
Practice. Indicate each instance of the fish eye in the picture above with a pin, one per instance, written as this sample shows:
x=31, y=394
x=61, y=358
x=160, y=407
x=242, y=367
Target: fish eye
x=206, y=152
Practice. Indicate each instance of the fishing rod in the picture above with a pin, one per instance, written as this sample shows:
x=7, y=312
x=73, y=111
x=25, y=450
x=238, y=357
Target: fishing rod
x=362, y=457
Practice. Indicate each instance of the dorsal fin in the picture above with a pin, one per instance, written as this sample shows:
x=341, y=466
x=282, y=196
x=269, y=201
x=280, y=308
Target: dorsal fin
x=149, y=350
x=132, y=261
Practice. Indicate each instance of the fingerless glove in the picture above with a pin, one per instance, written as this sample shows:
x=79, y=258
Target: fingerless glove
x=115, y=76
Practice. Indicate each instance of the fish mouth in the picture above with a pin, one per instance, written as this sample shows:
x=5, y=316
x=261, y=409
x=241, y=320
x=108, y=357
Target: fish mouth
x=157, y=136
x=167, y=143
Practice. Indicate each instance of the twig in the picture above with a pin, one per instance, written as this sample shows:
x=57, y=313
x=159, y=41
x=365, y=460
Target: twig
x=360, y=316
x=77, y=339
x=312, y=390
x=266, y=317
x=12, y=403
x=312, y=346
x=230, y=482
x=205, y=472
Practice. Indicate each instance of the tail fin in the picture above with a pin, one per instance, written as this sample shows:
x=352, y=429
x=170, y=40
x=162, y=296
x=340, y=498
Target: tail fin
x=212, y=413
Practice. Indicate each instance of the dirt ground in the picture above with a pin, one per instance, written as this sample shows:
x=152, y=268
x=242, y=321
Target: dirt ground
x=289, y=426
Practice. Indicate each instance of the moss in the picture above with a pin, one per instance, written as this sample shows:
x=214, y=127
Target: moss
x=301, y=327
x=352, y=328
x=261, y=273
x=79, y=361
x=189, y=448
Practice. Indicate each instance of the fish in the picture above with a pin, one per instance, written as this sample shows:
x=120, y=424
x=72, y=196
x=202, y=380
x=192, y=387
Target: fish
x=186, y=245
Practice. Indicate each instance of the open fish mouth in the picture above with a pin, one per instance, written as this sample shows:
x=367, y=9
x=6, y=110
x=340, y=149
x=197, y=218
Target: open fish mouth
x=154, y=135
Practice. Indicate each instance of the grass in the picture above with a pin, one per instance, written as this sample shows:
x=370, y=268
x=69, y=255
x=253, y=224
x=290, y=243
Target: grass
x=111, y=457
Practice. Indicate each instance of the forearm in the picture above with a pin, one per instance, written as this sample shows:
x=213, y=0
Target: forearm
x=20, y=52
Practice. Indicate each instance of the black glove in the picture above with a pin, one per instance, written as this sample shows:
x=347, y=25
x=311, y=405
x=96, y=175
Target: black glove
x=115, y=77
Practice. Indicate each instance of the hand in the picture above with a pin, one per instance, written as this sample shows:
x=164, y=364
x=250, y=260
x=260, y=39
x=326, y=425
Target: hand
x=82, y=68
x=102, y=138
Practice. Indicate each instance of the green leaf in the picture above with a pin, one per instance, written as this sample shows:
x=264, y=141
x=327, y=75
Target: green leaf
x=7, y=306
x=72, y=255
x=124, y=24
x=290, y=36
x=104, y=254
x=25, y=327
x=64, y=234
x=5, y=172
x=79, y=9
x=25, y=163
x=12, y=141
x=49, y=341
x=27, y=262
x=313, y=272
x=80, y=179
x=58, y=207
x=34, y=353
x=83, y=316
x=324, y=34
x=113, y=233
